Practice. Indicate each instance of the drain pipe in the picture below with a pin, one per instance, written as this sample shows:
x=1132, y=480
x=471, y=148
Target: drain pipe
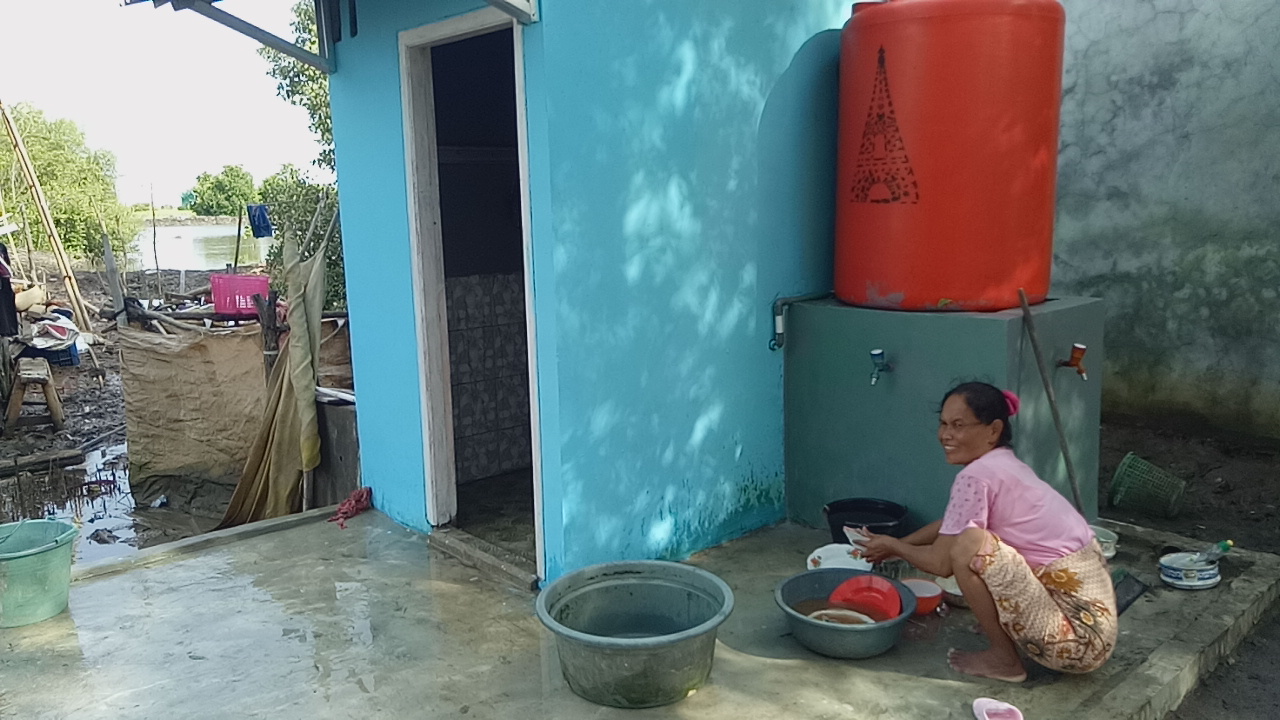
x=779, y=311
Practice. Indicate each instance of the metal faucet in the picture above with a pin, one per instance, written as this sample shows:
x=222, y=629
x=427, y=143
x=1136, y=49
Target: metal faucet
x=879, y=365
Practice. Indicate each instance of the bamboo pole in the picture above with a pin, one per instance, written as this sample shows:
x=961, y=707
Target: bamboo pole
x=1029, y=323
x=42, y=205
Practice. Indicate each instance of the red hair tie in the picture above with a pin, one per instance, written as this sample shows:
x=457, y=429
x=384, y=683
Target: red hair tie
x=1011, y=400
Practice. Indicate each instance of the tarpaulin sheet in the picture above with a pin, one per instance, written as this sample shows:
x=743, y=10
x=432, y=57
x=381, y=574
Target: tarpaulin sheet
x=287, y=443
x=192, y=404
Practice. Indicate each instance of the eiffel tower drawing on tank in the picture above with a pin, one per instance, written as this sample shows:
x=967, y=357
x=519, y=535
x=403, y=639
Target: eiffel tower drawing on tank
x=882, y=172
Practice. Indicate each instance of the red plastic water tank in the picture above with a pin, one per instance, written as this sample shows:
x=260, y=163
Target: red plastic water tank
x=948, y=153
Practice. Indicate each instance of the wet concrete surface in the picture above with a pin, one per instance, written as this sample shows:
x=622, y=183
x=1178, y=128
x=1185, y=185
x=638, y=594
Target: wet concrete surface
x=315, y=621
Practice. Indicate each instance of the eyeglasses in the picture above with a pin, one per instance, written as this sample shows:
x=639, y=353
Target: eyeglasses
x=956, y=426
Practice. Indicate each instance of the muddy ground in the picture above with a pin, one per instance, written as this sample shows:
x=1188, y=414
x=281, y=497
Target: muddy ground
x=93, y=399
x=1231, y=494
x=93, y=407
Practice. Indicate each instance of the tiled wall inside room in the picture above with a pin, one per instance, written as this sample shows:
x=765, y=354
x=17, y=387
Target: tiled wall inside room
x=488, y=363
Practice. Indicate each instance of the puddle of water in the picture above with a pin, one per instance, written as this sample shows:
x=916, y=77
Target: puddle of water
x=94, y=497
x=101, y=506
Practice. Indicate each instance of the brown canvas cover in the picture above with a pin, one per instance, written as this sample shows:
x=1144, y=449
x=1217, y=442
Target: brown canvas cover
x=193, y=402
x=287, y=442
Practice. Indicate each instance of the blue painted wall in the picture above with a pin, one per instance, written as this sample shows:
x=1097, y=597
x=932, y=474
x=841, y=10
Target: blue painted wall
x=683, y=177
x=369, y=140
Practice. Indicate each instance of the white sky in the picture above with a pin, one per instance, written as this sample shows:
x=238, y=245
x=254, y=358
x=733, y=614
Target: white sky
x=172, y=94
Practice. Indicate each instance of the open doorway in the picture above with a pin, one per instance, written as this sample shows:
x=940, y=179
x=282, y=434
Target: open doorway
x=468, y=207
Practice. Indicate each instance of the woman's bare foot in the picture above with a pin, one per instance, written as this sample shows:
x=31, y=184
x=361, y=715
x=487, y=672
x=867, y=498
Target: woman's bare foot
x=987, y=664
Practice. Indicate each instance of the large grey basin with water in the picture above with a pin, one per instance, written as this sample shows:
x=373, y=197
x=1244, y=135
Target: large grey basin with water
x=830, y=639
x=635, y=634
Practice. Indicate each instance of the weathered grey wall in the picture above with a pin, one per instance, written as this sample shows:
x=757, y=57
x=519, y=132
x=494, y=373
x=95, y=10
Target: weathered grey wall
x=1169, y=201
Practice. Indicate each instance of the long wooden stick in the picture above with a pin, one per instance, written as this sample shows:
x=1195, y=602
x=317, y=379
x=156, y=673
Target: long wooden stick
x=42, y=204
x=57, y=458
x=26, y=233
x=155, y=250
x=235, y=261
x=1053, y=400
x=113, y=280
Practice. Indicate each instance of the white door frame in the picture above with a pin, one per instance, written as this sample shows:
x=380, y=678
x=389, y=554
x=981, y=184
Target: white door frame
x=423, y=181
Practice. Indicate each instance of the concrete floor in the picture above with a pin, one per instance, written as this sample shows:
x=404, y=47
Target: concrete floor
x=313, y=621
x=499, y=510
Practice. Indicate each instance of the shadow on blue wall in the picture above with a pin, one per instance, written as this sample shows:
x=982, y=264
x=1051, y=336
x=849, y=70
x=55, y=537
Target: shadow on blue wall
x=692, y=183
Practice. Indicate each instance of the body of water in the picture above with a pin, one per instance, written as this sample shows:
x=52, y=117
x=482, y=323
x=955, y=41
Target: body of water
x=195, y=247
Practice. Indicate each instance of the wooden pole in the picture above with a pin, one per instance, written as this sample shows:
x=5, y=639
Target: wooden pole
x=124, y=269
x=26, y=228
x=113, y=279
x=42, y=204
x=270, y=330
x=57, y=458
x=154, y=247
x=1053, y=400
x=235, y=263
x=26, y=232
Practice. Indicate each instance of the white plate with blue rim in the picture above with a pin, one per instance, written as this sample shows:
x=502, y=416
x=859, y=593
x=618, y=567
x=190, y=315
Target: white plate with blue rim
x=1182, y=571
x=837, y=555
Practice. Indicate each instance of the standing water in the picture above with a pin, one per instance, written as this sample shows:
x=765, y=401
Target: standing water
x=195, y=247
x=95, y=497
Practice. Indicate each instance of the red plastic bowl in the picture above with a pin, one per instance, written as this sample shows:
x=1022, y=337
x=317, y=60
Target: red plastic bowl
x=928, y=594
x=868, y=594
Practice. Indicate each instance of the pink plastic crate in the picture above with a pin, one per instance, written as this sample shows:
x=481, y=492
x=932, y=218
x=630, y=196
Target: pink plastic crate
x=233, y=294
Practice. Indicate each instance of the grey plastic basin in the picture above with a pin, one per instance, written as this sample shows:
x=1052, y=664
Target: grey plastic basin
x=635, y=634
x=833, y=639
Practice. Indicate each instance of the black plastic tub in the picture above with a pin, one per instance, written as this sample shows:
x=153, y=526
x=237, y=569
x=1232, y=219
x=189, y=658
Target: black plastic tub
x=879, y=516
x=635, y=634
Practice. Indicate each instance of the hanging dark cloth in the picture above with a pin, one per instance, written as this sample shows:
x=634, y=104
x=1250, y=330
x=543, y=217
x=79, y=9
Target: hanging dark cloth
x=8, y=308
x=260, y=221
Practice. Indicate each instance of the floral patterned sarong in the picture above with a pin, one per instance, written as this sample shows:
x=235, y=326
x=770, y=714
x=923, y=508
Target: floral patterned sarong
x=1062, y=615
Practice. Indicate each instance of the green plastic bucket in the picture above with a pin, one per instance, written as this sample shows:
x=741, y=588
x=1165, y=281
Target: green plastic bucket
x=1139, y=485
x=35, y=570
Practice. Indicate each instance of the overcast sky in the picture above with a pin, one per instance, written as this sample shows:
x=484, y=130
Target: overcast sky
x=172, y=94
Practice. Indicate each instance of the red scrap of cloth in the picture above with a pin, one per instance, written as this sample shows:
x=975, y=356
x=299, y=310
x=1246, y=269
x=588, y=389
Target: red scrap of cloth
x=356, y=503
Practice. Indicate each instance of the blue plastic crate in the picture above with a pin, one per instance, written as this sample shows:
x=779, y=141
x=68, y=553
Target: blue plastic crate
x=66, y=357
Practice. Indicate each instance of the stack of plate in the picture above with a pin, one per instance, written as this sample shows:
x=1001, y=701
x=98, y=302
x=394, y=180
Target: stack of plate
x=1182, y=571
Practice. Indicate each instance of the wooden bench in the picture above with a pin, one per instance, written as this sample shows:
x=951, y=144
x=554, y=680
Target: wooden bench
x=33, y=372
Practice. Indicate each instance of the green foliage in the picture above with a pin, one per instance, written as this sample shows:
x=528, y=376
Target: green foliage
x=301, y=84
x=78, y=182
x=293, y=200
x=225, y=193
x=188, y=200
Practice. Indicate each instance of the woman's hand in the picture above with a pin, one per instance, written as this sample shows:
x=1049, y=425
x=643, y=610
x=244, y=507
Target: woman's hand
x=877, y=548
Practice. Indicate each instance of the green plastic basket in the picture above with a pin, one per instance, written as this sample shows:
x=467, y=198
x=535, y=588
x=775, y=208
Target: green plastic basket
x=35, y=570
x=1139, y=485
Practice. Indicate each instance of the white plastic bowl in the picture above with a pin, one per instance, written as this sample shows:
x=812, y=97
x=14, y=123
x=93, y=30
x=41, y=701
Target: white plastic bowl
x=1107, y=539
